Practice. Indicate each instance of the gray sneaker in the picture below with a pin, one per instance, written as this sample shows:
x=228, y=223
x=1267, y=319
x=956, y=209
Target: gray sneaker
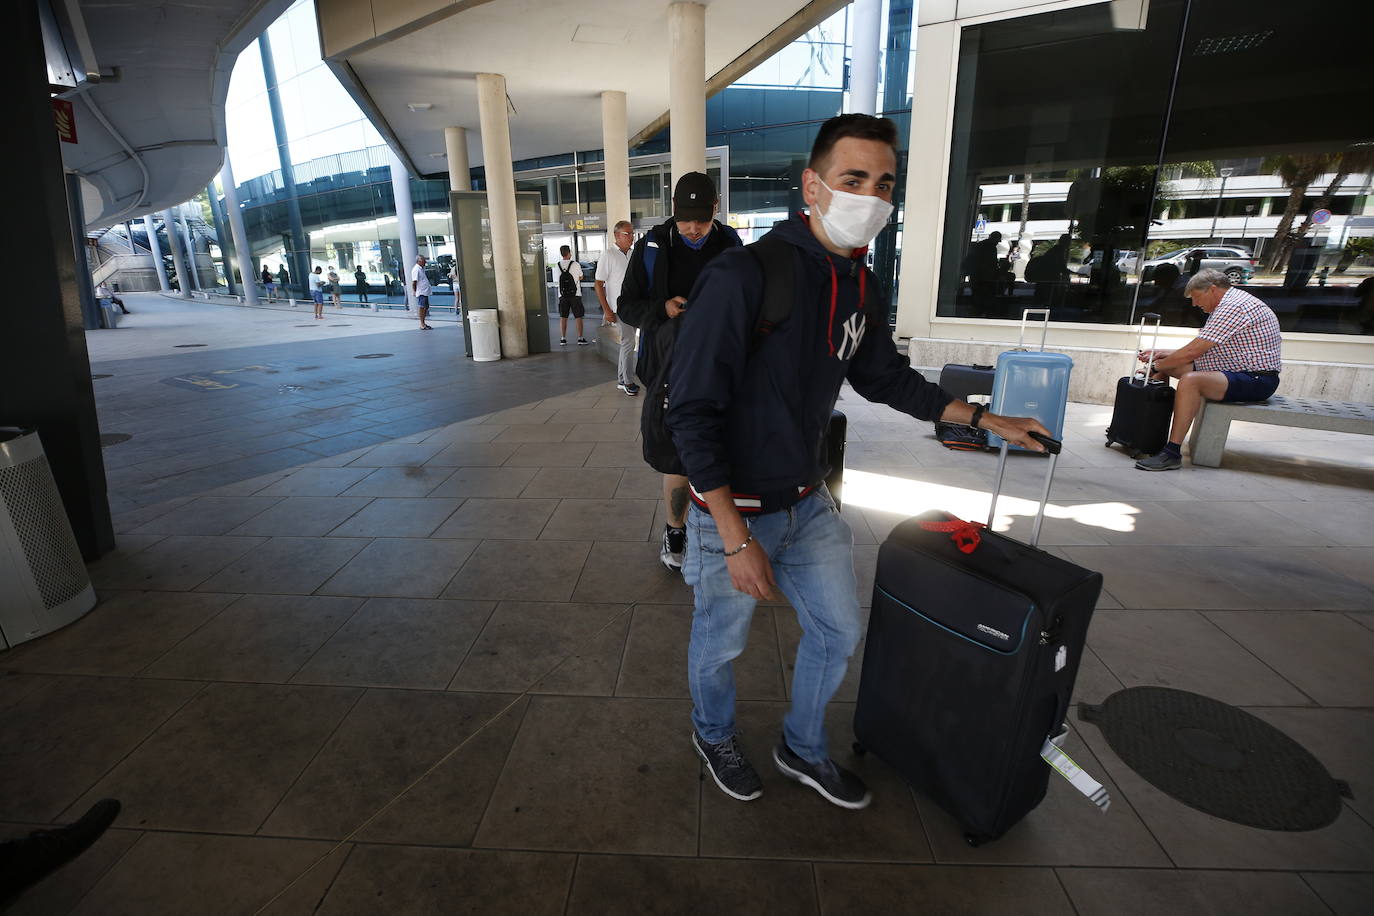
x=1161, y=462
x=834, y=783
x=727, y=766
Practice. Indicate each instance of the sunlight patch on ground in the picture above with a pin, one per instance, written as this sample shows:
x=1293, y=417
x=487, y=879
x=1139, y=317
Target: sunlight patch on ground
x=912, y=497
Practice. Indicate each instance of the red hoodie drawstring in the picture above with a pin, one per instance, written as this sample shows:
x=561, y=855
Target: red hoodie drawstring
x=834, y=296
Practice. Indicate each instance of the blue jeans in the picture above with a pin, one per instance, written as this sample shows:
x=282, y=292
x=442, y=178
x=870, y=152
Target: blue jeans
x=812, y=552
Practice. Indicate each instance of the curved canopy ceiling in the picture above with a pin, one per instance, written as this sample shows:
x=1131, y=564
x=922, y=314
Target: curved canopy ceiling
x=151, y=132
x=557, y=56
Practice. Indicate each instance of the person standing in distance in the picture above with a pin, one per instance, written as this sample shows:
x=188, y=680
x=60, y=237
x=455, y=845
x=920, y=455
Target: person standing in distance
x=315, y=281
x=610, y=277
x=749, y=419
x=664, y=265
x=567, y=273
x=419, y=287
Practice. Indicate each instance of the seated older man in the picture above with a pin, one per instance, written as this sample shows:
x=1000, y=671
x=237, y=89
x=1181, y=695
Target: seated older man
x=1235, y=357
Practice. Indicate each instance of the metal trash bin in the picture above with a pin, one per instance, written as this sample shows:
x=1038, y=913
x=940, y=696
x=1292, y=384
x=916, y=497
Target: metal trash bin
x=486, y=335
x=43, y=580
x=109, y=313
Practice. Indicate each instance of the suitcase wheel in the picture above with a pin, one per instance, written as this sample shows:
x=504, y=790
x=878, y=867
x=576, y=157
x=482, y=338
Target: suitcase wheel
x=859, y=749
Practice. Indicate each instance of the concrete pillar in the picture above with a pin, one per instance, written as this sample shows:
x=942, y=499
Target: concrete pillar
x=459, y=171
x=687, y=87
x=239, y=231
x=190, y=248
x=223, y=237
x=156, y=249
x=183, y=279
x=405, y=221
x=615, y=142
x=863, y=61
x=505, y=235
x=129, y=234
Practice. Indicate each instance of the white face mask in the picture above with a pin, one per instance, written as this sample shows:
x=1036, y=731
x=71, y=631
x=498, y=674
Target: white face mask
x=852, y=220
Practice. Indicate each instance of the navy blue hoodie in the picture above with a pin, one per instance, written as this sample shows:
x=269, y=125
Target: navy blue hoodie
x=755, y=421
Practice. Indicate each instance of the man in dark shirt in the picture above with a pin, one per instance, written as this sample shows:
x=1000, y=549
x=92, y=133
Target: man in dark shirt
x=664, y=265
x=749, y=421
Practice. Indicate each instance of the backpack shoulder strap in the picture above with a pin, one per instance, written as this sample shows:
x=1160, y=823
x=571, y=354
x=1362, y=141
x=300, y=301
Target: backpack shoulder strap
x=775, y=259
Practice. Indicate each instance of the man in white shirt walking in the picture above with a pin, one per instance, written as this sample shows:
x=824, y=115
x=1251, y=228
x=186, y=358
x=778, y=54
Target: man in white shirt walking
x=610, y=275
x=419, y=286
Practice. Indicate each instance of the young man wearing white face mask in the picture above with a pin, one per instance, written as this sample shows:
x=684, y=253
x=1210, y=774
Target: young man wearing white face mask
x=748, y=418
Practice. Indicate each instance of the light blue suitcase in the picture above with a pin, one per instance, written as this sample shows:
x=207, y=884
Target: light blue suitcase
x=1031, y=384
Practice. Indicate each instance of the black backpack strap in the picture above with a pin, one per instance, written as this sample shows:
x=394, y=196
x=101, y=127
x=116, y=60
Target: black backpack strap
x=775, y=259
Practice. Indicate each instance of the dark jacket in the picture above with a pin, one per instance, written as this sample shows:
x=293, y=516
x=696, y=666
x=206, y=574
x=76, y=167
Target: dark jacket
x=641, y=305
x=642, y=297
x=756, y=421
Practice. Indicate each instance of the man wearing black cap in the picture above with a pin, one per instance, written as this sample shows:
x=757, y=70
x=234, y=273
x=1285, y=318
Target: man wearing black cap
x=663, y=267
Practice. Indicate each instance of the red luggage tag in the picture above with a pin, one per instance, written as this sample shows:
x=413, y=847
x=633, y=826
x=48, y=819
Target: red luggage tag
x=965, y=535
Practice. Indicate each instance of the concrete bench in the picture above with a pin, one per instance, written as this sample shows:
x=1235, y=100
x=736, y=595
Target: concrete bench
x=1213, y=423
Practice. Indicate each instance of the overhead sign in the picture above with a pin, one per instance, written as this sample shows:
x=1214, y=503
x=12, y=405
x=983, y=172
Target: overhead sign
x=64, y=116
x=1321, y=217
x=585, y=221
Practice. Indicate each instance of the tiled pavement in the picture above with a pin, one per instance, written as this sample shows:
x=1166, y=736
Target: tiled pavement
x=442, y=671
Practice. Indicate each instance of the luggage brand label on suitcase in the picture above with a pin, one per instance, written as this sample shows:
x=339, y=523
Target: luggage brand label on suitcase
x=1003, y=617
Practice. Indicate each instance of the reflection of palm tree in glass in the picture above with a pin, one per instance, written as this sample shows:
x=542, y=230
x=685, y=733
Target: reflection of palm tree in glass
x=1297, y=173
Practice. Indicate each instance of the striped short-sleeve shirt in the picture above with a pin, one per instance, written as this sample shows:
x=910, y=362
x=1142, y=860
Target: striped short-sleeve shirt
x=1246, y=334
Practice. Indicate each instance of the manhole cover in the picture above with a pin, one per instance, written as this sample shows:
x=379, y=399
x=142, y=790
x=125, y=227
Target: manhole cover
x=338, y=325
x=108, y=439
x=306, y=326
x=373, y=356
x=105, y=375
x=305, y=368
x=1218, y=759
x=188, y=346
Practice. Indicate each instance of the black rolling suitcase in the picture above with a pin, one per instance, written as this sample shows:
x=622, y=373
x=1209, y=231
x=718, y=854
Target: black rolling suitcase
x=834, y=454
x=973, y=645
x=964, y=382
x=1143, y=408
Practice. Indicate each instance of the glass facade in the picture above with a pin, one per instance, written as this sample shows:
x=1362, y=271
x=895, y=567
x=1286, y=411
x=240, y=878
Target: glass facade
x=1096, y=164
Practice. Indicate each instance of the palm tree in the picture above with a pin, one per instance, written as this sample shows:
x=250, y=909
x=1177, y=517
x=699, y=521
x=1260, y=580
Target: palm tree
x=1296, y=172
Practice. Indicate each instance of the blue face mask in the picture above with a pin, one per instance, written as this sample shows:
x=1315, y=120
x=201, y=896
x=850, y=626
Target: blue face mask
x=695, y=246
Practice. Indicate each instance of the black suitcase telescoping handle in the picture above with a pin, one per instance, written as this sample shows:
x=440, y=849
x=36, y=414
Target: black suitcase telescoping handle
x=1053, y=446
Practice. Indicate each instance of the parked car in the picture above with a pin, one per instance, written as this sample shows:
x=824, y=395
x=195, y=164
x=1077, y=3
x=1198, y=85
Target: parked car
x=1125, y=263
x=1237, y=263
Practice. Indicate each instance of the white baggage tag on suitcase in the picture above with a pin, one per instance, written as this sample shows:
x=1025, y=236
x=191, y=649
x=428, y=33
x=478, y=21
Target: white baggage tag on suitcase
x=1052, y=754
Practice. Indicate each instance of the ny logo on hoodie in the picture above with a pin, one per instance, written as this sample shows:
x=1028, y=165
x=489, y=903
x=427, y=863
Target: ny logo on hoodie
x=853, y=334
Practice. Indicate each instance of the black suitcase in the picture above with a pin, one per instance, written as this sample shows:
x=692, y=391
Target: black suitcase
x=964, y=382
x=834, y=454
x=1143, y=409
x=974, y=641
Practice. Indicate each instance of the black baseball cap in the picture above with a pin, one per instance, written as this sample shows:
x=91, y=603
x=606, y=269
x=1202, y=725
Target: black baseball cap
x=694, y=198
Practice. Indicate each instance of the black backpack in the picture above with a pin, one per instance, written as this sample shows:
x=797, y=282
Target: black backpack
x=567, y=283
x=775, y=259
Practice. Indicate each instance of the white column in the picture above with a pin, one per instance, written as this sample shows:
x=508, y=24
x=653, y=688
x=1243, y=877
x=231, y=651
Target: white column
x=156, y=249
x=249, y=277
x=183, y=279
x=687, y=87
x=405, y=220
x=931, y=128
x=616, y=144
x=863, y=65
x=459, y=171
x=505, y=235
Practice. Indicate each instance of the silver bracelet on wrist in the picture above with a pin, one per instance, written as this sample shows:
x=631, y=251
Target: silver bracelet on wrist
x=740, y=549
